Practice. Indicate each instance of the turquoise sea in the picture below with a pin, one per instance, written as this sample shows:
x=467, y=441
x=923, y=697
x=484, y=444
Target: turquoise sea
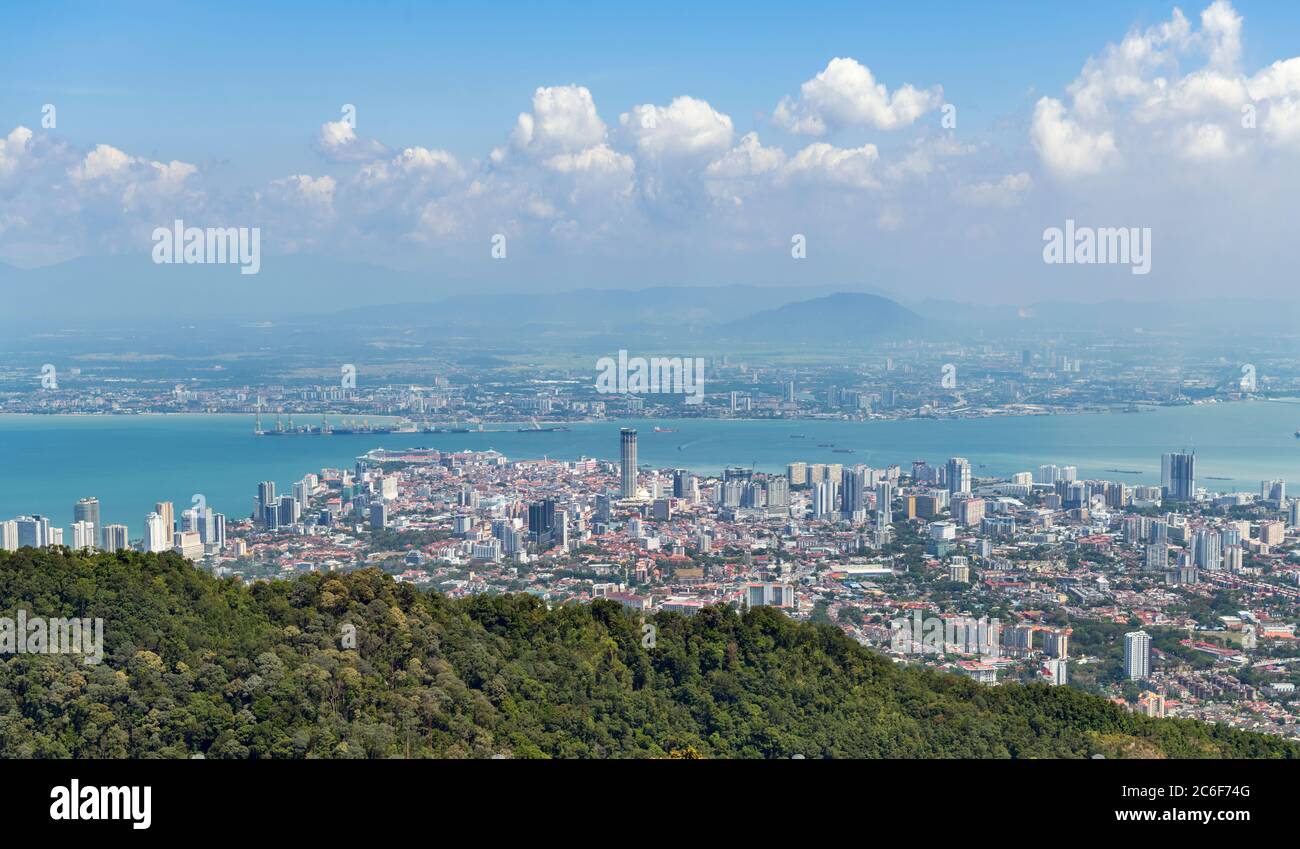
x=131, y=462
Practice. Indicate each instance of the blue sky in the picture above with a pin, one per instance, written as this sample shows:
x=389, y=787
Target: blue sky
x=244, y=81
x=240, y=92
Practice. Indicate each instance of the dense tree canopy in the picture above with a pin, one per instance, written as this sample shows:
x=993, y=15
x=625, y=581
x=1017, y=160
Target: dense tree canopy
x=199, y=665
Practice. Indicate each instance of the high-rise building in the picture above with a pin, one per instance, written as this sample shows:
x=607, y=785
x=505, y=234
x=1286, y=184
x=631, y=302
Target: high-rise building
x=188, y=545
x=958, y=475
x=1151, y=704
x=1056, y=671
x=1207, y=549
x=1178, y=476
x=1274, y=492
x=1057, y=643
x=797, y=473
x=968, y=511
x=627, y=462
x=87, y=510
x=208, y=524
x=265, y=498
x=33, y=532
x=541, y=522
x=825, y=499
x=288, y=511
x=778, y=491
x=1137, y=655
x=378, y=515
x=1157, y=557
x=168, y=514
x=853, y=490
x=884, y=503
x=157, y=535
x=83, y=535
x=113, y=538
x=770, y=594
x=9, y=535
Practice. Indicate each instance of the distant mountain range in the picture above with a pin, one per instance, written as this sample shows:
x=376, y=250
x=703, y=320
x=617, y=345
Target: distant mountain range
x=846, y=317
x=95, y=292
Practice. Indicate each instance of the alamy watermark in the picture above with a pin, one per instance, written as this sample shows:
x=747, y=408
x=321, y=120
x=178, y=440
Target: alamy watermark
x=183, y=245
x=946, y=634
x=1098, y=246
x=640, y=375
x=55, y=635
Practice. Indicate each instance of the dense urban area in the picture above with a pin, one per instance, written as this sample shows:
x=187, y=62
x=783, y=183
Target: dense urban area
x=1172, y=600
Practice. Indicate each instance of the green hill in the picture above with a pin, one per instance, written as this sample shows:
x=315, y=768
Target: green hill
x=197, y=665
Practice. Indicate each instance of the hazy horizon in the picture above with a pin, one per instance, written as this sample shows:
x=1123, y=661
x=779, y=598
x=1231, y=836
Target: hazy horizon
x=841, y=144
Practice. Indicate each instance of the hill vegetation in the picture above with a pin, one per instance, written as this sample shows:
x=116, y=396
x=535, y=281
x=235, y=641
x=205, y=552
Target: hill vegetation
x=196, y=665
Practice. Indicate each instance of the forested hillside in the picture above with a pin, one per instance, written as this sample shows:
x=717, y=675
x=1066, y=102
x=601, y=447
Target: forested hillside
x=199, y=665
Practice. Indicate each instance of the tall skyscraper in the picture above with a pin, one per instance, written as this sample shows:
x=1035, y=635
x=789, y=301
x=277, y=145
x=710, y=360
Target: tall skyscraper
x=1137, y=655
x=884, y=503
x=853, y=490
x=541, y=522
x=1178, y=476
x=87, y=510
x=301, y=493
x=958, y=475
x=825, y=499
x=288, y=511
x=627, y=460
x=168, y=514
x=1207, y=549
x=265, y=498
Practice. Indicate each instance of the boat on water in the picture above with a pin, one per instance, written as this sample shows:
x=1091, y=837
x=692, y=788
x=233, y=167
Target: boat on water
x=537, y=428
x=825, y=444
x=797, y=436
x=665, y=430
x=1297, y=434
x=842, y=451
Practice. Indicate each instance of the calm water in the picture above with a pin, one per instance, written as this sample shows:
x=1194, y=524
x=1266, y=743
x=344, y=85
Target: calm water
x=130, y=462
